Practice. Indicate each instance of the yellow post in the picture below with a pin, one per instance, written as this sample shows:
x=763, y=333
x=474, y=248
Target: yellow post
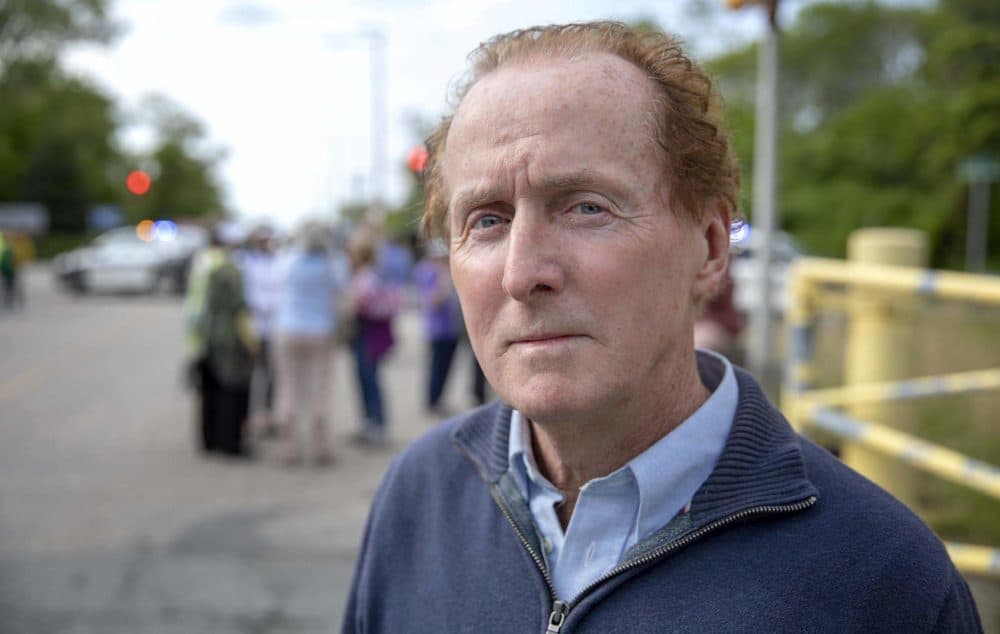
x=881, y=346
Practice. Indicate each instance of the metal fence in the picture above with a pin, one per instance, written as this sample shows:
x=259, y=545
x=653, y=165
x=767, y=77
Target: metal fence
x=807, y=407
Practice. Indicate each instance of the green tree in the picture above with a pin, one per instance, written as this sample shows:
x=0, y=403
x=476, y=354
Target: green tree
x=879, y=105
x=56, y=142
x=43, y=28
x=58, y=133
x=184, y=184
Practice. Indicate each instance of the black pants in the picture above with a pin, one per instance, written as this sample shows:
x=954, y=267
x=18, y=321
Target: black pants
x=224, y=411
x=13, y=295
x=442, y=353
x=478, y=380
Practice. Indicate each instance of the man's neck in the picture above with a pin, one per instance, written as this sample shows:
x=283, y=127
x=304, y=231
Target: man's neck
x=572, y=453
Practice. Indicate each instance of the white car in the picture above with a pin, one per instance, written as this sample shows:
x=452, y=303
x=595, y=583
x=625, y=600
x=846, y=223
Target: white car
x=742, y=266
x=120, y=260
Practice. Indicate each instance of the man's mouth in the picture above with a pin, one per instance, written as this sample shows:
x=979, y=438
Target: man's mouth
x=547, y=338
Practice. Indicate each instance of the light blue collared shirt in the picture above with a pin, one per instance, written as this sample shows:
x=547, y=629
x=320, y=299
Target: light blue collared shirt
x=615, y=512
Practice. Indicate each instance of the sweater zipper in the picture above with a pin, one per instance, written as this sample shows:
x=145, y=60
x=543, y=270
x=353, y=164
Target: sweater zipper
x=561, y=610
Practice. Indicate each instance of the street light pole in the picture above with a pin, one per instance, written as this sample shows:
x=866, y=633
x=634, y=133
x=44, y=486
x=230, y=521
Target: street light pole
x=764, y=191
x=980, y=172
x=378, y=82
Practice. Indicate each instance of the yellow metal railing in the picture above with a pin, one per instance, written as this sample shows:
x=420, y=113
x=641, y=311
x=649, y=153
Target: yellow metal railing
x=807, y=407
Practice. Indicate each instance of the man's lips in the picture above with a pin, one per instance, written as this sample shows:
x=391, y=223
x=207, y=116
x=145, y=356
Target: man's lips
x=546, y=338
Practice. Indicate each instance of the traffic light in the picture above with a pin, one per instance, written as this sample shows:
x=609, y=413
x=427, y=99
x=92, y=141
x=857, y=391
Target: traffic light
x=137, y=182
x=416, y=160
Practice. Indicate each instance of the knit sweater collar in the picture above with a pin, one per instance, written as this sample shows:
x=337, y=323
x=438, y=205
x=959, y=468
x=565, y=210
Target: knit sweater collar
x=760, y=465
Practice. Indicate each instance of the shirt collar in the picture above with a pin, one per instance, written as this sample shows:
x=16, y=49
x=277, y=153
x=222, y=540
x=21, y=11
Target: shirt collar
x=670, y=471
x=674, y=468
x=521, y=457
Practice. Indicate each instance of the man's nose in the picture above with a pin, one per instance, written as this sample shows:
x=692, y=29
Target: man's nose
x=534, y=264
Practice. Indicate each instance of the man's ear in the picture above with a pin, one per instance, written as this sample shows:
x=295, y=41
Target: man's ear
x=714, y=230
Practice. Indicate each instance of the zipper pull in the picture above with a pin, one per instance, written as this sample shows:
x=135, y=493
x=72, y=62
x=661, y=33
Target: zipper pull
x=559, y=610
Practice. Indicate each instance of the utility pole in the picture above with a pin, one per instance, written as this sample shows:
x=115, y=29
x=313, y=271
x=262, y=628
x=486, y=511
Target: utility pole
x=765, y=212
x=378, y=118
x=980, y=172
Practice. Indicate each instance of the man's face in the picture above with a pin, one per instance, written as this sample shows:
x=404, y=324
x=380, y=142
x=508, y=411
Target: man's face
x=576, y=280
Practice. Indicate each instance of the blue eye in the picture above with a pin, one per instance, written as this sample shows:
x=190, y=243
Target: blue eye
x=589, y=209
x=486, y=222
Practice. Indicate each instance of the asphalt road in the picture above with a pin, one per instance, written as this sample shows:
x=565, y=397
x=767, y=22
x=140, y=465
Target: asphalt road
x=112, y=522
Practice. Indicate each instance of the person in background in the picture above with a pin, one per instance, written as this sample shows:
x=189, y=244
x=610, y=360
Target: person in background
x=221, y=345
x=441, y=317
x=480, y=388
x=12, y=291
x=258, y=263
x=374, y=303
x=394, y=262
x=720, y=323
x=312, y=279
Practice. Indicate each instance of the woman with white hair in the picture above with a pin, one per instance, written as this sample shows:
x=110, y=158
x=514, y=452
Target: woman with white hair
x=313, y=278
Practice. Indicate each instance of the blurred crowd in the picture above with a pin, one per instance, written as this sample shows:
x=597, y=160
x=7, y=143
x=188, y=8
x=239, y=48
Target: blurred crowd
x=265, y=315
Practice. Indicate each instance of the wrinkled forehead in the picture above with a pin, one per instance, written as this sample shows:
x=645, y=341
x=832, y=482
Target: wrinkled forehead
x=594, y=97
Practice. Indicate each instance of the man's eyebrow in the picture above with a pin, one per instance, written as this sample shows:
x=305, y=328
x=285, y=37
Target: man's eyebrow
x=476, y=196
x=579, y=178
x=471, y=198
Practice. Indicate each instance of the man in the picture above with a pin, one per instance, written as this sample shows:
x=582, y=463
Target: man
x=624, y=483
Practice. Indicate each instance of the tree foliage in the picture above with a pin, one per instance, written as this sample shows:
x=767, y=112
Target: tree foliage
x=879, y=105
x=59, y=133
x=43, y=28
x=56, y=142
x=182, y=168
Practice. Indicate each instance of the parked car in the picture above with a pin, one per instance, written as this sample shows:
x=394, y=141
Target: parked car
x=127, y=260
x=743, y=265
x=178, y=253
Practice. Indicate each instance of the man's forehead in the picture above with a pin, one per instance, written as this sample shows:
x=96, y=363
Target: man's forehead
x=589, y=96
x=597, y=75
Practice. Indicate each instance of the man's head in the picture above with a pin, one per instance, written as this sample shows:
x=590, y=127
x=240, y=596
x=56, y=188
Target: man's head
x=683, y=114
x=587, y=207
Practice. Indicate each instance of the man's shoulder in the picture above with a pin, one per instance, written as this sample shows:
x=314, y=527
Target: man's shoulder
x=866, y=518
x=442, y=449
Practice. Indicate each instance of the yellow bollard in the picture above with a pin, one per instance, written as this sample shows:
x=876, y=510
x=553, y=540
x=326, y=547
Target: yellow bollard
x=881, y=346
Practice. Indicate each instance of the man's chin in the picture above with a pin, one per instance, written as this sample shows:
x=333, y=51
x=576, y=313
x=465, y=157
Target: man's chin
x=553, y=401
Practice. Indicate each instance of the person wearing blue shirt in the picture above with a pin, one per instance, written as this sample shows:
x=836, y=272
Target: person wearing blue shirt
x=625, y=481
x=312, y=279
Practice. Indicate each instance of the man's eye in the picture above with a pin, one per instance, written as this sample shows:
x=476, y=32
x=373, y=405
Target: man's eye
x=485, y=222
x=589, y=209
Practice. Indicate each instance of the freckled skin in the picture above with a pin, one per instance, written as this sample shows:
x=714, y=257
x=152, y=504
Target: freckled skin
x=577, y=281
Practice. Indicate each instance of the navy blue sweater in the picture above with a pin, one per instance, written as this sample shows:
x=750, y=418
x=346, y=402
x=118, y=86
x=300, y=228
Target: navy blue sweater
x=781, y=538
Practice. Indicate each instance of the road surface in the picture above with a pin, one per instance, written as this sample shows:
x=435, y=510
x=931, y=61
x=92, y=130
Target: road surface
x=110, y=520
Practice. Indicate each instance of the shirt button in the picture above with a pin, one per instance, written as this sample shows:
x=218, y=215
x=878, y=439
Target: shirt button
x=547, y=545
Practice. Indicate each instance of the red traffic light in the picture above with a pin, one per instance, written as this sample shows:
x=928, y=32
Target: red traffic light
x=137, y=182
x=416, y=160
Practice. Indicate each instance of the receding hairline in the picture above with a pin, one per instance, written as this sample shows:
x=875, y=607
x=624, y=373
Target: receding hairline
x=685, y=116
x=649, y=105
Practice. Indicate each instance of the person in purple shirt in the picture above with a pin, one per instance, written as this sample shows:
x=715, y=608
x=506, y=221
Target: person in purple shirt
x=441, y=317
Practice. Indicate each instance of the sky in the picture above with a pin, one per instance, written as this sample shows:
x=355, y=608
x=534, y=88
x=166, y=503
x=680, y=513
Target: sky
x=284, y=87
